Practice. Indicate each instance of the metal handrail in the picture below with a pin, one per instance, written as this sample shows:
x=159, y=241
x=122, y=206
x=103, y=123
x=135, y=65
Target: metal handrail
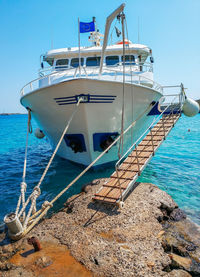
x=69, y=72
x=68, y=67
x=131, y=74
x=149, y=128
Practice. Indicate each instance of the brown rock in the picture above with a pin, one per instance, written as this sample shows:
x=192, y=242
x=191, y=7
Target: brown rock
x=183, y=238
x=160, y=234
x=178, y=273
x=150, y=264
x=181, y=261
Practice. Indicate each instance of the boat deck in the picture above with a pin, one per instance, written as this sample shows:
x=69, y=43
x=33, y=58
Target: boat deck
x=122, y=180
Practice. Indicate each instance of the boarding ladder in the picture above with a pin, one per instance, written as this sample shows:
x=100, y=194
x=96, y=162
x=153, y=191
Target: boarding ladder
x=133, y=162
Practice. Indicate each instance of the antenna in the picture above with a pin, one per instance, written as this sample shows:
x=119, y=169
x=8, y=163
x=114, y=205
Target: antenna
x=51, y=37
x=138, y=29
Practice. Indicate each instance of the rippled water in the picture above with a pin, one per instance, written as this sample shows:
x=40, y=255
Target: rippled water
x=175, y=168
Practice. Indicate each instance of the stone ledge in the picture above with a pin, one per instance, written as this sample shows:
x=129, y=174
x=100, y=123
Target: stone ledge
x=137, y=240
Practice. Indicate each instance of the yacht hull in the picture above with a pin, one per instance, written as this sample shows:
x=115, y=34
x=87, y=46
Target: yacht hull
x=98, y=118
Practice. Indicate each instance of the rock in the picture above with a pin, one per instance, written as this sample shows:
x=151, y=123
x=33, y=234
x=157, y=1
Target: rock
x=179, y=273
x=69, y=208
x=160, y=234
x=191, y=247
x=180, y=262
x=183, y=238
x=112, y=242
x=168, y=204
x=177, y=215
x=19, y=272
x=150, y=264
x=96, y=182
x=43, y=262
x=6, y=266
x=86, y=188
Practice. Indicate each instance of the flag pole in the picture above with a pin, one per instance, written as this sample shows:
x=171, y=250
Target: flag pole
x=79, y=47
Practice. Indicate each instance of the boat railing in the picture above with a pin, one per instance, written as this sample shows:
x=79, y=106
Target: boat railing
x=139, y=67
x=140, y=79
x=73, y=72
x=175, y=104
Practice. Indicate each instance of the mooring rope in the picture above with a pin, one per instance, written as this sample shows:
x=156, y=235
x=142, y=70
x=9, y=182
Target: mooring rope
x=36, y=191
x=23, y=183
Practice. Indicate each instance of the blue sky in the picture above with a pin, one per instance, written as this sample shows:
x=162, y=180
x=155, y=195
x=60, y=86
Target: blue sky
x=171, y=28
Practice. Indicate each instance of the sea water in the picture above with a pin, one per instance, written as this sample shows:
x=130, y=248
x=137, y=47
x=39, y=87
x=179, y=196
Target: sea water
x=175, y=167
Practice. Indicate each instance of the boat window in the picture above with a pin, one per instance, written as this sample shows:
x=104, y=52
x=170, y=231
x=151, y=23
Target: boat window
x=93, y=61
x=75, y=62
x=129, y=59
x=48, y=60
x=112, y=60
x=62, y=63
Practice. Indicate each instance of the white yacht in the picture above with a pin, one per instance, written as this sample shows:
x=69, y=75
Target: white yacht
x=115, y=83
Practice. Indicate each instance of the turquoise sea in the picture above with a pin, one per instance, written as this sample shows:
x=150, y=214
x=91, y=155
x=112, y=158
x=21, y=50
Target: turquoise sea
x=175, y=167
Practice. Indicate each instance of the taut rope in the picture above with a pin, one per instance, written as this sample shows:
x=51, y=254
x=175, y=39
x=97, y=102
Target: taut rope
x=23, y=183
x=36, y=191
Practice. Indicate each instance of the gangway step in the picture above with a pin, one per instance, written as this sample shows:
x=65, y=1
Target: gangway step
x=120, y=182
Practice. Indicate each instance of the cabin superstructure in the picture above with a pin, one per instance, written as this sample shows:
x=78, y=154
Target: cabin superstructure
x=136, y=56
x=63, y=64
x=90, y=56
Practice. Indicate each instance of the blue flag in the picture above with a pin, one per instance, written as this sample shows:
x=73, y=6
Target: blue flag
x=87, y=27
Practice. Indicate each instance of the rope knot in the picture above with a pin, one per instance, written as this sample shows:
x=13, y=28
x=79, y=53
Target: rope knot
x=36, y=193
x=46, y=204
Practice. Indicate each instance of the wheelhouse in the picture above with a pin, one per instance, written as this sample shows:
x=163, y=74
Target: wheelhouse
x=66, y=58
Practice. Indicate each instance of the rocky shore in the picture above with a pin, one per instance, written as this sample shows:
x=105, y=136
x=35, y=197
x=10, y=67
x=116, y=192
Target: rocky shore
x=149, y=236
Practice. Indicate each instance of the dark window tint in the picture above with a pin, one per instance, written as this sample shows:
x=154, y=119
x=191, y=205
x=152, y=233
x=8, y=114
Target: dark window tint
x=62, y=62
x=75, y=62
x=112, y=60
x=93, y=61
x=129, y=59
x=48, y=60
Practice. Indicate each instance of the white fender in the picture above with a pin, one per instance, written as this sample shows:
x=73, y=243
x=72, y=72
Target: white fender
x=190, y=107
x=38, y=133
